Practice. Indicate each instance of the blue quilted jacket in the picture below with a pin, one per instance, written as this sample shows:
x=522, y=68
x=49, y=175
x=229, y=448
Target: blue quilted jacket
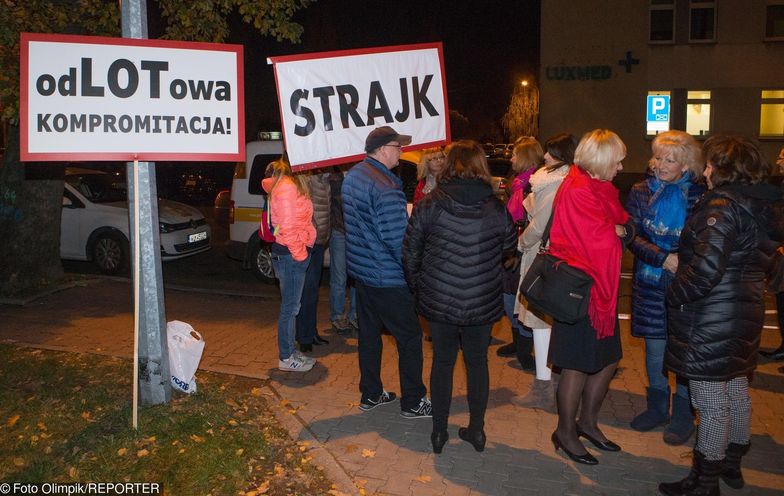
x=649, y=311
x=374, y=211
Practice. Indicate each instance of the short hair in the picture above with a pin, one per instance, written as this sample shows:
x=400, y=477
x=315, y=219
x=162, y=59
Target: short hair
x=422, y=164
x=684, y=149
x=599, y=151
x=465, y=160
x=735, y=159
x=529, y=154
x=561, y=147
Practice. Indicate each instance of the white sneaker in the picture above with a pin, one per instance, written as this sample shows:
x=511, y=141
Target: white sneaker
x=305, y=358
x=295, y=363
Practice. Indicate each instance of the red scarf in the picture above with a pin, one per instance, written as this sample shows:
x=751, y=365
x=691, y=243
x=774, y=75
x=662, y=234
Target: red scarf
x=583, y=234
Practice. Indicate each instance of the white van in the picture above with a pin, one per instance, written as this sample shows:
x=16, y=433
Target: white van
x=247, y=199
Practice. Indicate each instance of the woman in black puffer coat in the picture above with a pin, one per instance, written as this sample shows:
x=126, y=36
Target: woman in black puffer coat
x=716, y=307
x=452, y=257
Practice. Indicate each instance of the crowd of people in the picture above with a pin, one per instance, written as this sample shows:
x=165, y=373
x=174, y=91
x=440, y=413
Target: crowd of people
x=705, y=228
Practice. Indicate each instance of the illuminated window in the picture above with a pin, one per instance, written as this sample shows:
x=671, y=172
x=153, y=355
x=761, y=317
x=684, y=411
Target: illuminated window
x=698, y=112
x=662, y=21
x=702, y=21
x=772, y=113
x=774, y=20
x=658, y=112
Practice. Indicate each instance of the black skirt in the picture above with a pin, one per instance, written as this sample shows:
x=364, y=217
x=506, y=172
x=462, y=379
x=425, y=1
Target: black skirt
x=574, y=346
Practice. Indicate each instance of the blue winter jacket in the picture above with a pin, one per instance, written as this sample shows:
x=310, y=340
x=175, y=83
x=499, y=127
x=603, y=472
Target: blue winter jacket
x=649, y=311
x=374, y=211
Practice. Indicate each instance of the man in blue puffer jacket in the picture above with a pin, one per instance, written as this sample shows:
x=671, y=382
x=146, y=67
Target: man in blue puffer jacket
x=374, y=209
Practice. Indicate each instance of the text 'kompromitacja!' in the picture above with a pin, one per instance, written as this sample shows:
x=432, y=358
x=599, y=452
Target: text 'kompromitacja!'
x=150, y=124
x=348, y=102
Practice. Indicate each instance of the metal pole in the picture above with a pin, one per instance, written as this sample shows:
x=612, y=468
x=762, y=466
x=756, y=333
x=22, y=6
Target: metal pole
x=149, y=310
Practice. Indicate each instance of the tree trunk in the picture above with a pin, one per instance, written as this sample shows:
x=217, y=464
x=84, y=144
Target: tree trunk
x=30, y=205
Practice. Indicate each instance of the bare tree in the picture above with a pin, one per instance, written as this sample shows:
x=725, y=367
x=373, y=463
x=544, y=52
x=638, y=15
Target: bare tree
x=522, y=115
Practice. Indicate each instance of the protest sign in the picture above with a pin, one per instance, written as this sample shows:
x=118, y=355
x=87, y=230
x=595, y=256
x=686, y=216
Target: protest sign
x=96, y=98
x=330, y=101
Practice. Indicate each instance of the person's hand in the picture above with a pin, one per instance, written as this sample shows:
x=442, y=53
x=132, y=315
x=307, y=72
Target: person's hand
x=671, y=263
x=780, y=250
x=620, y=230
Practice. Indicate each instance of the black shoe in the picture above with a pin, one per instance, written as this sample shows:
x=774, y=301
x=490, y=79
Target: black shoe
x=776, y=355
x=587, y=458
x=439, y=439
x=507, y=350
x=305, y=348
x=384, y=398
x=602, y=445
x=318, y=340
x=476, y=438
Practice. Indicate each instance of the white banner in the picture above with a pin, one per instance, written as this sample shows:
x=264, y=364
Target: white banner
x=330, y=101
x=93, y=98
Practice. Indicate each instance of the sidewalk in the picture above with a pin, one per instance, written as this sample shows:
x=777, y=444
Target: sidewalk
x=384, y=453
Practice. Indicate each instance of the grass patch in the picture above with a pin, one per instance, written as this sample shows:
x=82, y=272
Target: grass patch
x=66, y=417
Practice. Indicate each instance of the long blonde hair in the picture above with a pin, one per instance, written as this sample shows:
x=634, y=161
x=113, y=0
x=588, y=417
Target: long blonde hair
x=280, y=168
x=422, y=169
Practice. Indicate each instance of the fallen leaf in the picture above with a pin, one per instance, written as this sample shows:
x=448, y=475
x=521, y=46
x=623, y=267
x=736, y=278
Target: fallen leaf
x=232, y=403
x=182, y=450
x=210, y=432
x=255, y=392
x=142, y=453
x=87, y=416
x=279, y=471
x=366, y=453
x=121, y=452
x=423, y=478
x=33, y=439
x=19, y=462
x=41, y=426
x=44, y=435
x=73, y=472
x=48, y=450
x=232, y=422
x=263, y=488
x=150, y=439
x=239, y=452
x=350, y=448
x=13, y=420
x=196, y=438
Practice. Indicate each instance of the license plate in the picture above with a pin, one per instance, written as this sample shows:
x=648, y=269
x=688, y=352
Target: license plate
x=197, y=237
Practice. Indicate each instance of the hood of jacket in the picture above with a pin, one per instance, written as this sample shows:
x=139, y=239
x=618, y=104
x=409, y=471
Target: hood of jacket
x=543, y=178
x=461, y=193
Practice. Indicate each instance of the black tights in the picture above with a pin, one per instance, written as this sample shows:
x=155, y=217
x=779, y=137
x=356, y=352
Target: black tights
x=576, y=388
x=780, y=311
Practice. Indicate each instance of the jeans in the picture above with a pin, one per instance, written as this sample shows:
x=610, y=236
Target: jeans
x=291, y=275
x=306, y=319
x=338, y=279
x=393, y=309
x=654, y=366
x=447, y=339
x=509, y=304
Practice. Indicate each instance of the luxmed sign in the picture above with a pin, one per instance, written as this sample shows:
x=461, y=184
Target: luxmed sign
x=93, y=98
x=330, y=101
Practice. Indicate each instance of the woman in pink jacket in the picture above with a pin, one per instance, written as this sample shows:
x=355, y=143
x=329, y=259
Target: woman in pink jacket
x=291, y=214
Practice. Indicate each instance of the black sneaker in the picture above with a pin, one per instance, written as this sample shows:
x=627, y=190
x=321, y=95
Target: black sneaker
x=423, y=410
x=367, y=405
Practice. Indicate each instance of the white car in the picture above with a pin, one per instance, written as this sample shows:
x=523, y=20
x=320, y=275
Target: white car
x=94, y=223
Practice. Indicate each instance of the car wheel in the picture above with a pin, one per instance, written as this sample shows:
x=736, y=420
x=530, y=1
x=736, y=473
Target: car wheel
x=261, y=263
x=110, y=253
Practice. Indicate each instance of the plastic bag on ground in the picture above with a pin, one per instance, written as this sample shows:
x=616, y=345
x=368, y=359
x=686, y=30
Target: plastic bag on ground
x=185, y=349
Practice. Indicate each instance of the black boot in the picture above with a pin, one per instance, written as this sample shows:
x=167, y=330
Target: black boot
x=730, y=472
x=682, y=422
x=703, y=479
x=525, y=346
x=509, y=349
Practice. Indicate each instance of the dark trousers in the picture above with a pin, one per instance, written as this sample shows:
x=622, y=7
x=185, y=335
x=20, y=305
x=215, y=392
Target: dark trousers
x=447, y=339
x=780, y=311
x=306, y=319
x=393, y=309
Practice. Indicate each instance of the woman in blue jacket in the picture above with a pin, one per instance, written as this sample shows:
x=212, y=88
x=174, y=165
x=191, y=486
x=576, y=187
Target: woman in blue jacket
x=659, y=206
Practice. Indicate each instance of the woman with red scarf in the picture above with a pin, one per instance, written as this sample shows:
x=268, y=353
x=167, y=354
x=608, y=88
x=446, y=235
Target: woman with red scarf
x=589, y=225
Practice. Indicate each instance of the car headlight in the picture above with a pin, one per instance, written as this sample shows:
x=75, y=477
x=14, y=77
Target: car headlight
x=165, y=228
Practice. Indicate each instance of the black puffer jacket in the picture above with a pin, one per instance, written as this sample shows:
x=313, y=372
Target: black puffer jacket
x=453, y=250
x=715, y=304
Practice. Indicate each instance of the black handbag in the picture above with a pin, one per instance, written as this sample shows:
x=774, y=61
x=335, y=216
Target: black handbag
x=553, y=287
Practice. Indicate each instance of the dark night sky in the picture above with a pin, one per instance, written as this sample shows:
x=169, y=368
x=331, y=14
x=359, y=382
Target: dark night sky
x=488, y=47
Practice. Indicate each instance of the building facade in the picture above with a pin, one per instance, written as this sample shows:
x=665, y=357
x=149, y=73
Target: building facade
x=642, y=66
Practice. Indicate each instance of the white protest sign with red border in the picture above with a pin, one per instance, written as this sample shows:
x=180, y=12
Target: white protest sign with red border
x=330, y=101
x=97, y=98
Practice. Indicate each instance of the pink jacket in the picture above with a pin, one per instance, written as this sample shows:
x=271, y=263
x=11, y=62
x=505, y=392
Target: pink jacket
x=292, y=217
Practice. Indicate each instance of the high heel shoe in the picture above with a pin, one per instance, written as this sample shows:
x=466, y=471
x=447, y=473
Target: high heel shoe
x=439, y=439
x=602, y=445
x=476, y=438
x=587, y=458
